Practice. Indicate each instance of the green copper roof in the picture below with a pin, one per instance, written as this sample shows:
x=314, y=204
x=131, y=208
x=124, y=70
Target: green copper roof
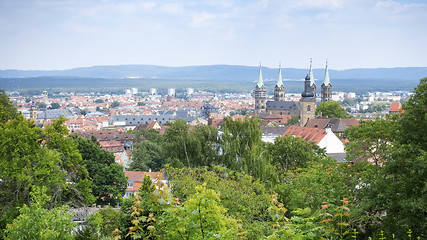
x=279, y=79
x=326, y=80
x=260, y=82
x=311, y=75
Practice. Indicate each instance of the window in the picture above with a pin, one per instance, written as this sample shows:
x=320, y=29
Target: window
x=308, y=108
x=130, y=184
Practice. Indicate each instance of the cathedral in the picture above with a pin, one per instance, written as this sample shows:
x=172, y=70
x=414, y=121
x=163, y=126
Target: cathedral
x=306, y=106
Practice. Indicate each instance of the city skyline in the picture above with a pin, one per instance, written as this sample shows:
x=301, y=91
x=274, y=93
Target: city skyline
x=50, y=35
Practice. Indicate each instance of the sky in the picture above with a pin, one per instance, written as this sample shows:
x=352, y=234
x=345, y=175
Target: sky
x=64, y=34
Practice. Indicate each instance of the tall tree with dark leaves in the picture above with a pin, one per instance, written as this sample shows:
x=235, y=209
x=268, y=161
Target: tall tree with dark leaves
x=109, y=181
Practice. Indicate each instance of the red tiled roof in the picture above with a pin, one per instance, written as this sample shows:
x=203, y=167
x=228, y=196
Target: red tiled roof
x=395, y=107
x=137, y=176
x=306, y=133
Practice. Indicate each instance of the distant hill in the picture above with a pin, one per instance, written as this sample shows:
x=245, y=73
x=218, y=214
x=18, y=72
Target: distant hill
x=217, y=72
x=210, y=77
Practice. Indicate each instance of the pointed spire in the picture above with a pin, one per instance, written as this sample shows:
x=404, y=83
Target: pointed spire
x=279, y=78
x=326, y=80
x=260, y=81
x=311, y=73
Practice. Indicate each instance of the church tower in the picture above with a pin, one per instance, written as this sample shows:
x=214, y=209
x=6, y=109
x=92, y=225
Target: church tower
x=326, y=86
x=260, y=94
x=307, y=103
x=312, y=84
x=279, y=90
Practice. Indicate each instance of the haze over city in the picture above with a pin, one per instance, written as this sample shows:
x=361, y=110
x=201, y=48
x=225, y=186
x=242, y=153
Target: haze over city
x=351, y=34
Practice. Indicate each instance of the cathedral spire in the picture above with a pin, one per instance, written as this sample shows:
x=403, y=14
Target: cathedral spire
x=311, y=73
x=326, y=80
x=279, y=78
x=260, y=81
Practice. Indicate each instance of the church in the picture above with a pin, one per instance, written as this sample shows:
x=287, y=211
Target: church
x=306, y=106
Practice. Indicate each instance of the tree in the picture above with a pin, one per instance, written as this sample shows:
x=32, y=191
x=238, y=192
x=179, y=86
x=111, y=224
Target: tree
x=115, y=104
x=7, y=110
x=290, y=152
x=370, y=141
x=252, y=195
x=147, y=155
x=31, y=157
x=41, y=105
x=412, y=124
x=54, y=105
x=99, y=101
x=331, y=109
x=294, y=119
x=36, y=222
x=183, y=147
x=109, y=182
x=200, y=217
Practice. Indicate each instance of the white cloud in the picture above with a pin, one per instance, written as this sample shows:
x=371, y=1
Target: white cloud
x=320, y=3
x=202, y=19
x=172, y=8
x=396, y=7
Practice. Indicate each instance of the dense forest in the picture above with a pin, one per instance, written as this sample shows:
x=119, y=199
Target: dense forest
x=222, y=184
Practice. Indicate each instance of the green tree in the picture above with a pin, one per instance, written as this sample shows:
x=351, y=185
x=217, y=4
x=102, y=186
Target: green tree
x=200, y=217
x=331, y=109
x=36, y=222
x=41, y=105
x=151, y=135
x=183, y=147
x=109, y=182
x=104, y=221
x=7, y=110
x=147, y=155
x=99, y=100
x=54, y=105
x=253, y=196
x=290, y=152
x=412, y=124
x=294, y=119
x=31, y=157
x=115, y=104
x=370, y=141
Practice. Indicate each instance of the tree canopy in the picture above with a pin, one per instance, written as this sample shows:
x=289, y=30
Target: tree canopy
x=331, y=109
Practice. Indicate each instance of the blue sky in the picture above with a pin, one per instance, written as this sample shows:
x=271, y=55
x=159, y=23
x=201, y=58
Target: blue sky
x=45, y=34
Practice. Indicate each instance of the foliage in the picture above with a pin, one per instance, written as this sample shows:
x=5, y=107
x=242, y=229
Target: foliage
x=41, y=105
x=99, y=101
x=240, y=111
x=393, y=196
x=147, y=155
x=290, y=152
x=183, y=147
x=115, y=104
x=294, y=119
x=54, y=105
x=412, y=128
x=322, y=181
x=109, y=182
x=149, y=205
x=104, y=221
x=370, y=141
x=253, y=196
x=376, y=107
x=331, y=109
x=150, y=135
x=200, y=217
x=36, y=222
x=31, y=157
x=241, y=148
x=7, y=110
